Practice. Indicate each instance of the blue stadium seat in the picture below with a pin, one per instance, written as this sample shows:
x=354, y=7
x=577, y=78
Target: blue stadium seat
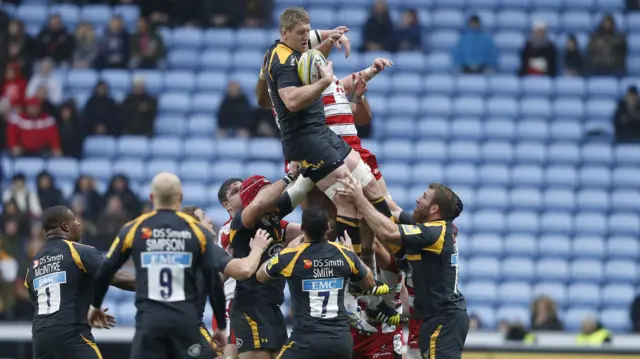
x=556, y=291
x=497, y=152
x=436, y=105
x=204, y=148
x=615, y=318
x=564, y=153
x=98, y=168
x=481, y=292
x=513, y=313
x=439, y=62
x=63, y=168
x=573, y=317
x=265, y=149
x=625, y=177
x=215, y=60
x=254, y=38
x=194, y=193
x=158, y=165
x=118, y=80
x=557, y=222
x=464, y=151
x=449, y=19
x=525, y=199
x=593, y=199
x=33, y=13
x=129, y=13
x=502, y=106
x=586, y=246
x=175, y=102
x=521, y=246
x=624, y=223
x=537, y=86
x=96, y=14
x=587, y=294
x=30, y=167
x=559, y=199
x=504, y=85
x=600, y=108
x=494, y=174
x=570, y=86
x=617, y=294
x=195, y=170
x=133, y=146
x=623, y=200
x=550, y=18
x=594, y=176
x=484, y=268
x=132, y=168
x=99, y=146
x=180, y=80
x=591, y=223
x=622, y=247
x=232, y=148
x=610, y=5
x=395, y=173
x=508, y=41
x=531, y=152
x=166, y=147
x=431, y=151
x=587, y=270
x=398, y=150
x=412, y=61
x=187, y=38
x=70, y=14
x=493, y=197
x=572, y=107
x=566, y=132
x=201, y=126
x=397, y=128
x=443, y=40
x=406, y=83
x=82, y=79
x=175, y=126
x=220, y=38
x=464, y=174
x=627, y=155
x=488, y=221
x=561, y=176
x=487, y=313
x=526, y=175
x=500, y=129
x=621, y=271
x=576, y=21
x=323, y=17
x=383, y=86
x=438, y=84
x=404, y=105
x=212, y=81
x=247, y=59
x=523, y=222
x=512, y=19
x=552, y=269
x=207, y=102
x=472, y=84
x=183, y=59
x=535, y=107
x=515, y=293
x=555, y=246
x=518, y=268
x=378, y=104
x=222, y=170
x=153, y=79
x=603, y=87
x=532, y=130
x=485, y=245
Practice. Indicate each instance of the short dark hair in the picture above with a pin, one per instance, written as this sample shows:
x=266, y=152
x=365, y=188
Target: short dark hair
x=54, y=217
x=444, y=197
x=315, y=223
x=224, y=188
x=191, y=210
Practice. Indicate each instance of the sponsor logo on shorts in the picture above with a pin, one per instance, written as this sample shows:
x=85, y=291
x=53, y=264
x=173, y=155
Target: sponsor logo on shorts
x=239, y=343
x=194, y=351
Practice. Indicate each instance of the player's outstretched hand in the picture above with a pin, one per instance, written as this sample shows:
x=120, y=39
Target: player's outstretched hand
x=380, y=63
x=261, y=240
x=343, y=41
x=326, y=71
x=219, y=339
x=359, y=86
x=352, y=189
x=346, y=240
x=98, y=318
x=294, y=169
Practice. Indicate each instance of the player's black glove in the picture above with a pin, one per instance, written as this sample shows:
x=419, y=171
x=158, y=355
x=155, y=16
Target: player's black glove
x=385, y=314
x=379, y=289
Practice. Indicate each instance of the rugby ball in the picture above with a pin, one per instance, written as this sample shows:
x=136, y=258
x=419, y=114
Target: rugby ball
x=307, y=70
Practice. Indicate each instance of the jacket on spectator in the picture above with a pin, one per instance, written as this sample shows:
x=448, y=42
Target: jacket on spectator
x=475, y=49
x=33, y=134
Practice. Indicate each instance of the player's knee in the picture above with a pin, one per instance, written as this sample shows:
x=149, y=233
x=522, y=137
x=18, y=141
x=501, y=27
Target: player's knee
x=362, y=174
x=299, y=190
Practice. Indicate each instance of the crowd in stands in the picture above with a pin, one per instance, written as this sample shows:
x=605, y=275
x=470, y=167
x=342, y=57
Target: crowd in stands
x=39, y=119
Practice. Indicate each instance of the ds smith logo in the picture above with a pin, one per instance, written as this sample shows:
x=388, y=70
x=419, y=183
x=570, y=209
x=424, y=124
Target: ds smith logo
x=146, y=233
x=308, y=264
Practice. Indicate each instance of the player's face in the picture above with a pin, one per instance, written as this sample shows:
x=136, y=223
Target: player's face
x=234, y=203
x=424, y=204
x=298, y=37
x=73, y=228
x=204, y=220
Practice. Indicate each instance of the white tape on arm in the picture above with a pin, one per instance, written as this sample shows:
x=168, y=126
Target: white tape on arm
x=362, y=173
x=299, y=189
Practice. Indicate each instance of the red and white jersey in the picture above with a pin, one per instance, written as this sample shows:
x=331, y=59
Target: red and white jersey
x=224, y=241
x=337, y=110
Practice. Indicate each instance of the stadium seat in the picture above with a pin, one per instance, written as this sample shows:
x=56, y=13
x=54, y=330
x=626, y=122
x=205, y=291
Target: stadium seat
x=63, y=168
x=426, y=171
x=132, y=168
x=201, y=126
x=187, y=38
x=485, y=244
x=564, y=153
x=494, y=174
x=615, y=318
x=99, y=146
x=194, y=193
x=521, y=269
x=532, y=130
x=627, y=155
x=500, y=129
x=98, y=168
x=159, y=165
x=222, y=170
x=556, y=291
x=625, y=177
x=513, y=313
x=497, y=152
x=557, y=222
x=624, y=223
x=573, y=317
x=588, y=247
x=552, y=269
x=526, y=175
x=587, y=270
x=592, y=199
x=183, y=59
x=520, y=246
x=523, y=198
x=621, y=271
x=537, y=86
x=518, y=293
x=487, y=221
x=232, y=148
x=594, y=177
x=590, y=223
x=502, y=106
x=133, y=146
x=586, y=294
x=617, y=294
x=481, y=292
x=571, y=86
x=560, y=176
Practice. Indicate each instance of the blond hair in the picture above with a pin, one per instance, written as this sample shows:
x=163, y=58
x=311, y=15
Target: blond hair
x=291, y=16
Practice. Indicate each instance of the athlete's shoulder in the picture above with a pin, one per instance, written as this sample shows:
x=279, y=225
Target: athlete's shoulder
x=341, y=247
x=297, y=249
x=282, y=55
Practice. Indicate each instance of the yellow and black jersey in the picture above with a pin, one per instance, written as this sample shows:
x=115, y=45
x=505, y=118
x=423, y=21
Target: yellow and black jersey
x=282, y=72
x=317, y=274
x=60, y=282
x=168, y=248
x=433, y=256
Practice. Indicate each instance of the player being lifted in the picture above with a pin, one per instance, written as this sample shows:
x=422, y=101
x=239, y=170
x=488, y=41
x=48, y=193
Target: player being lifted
x=168, y=248
x=240, y=268
x=60, y=284
x=317, y=271
x=324, y=156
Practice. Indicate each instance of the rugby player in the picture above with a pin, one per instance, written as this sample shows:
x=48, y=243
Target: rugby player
x=60, y=284
x=432, y=254
x=324, y=156
x=229, y=198
x=317, y=272
x=256, y=319
x=236, y=269
x=168, y=248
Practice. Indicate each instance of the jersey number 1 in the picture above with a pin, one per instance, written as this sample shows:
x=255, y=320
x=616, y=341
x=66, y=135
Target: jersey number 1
x=49, y=299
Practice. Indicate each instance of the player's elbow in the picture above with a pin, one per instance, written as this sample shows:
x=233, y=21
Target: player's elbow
x=261, y=276
x=292, y=105
x=239, y=270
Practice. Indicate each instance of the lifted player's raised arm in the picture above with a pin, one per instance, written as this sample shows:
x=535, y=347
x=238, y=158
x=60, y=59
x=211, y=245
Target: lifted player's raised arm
x=271, y=196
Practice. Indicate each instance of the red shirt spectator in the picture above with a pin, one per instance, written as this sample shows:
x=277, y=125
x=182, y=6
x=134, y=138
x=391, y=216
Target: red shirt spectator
x=14, y=86
x=33, y=132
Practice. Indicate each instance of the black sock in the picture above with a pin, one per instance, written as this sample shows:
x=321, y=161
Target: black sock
x=352, y=226
x=381, y=205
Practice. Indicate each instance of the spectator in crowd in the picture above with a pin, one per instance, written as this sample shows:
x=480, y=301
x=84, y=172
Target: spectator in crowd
x=110, y=222
x=573, y=64
x=33, y=132
x=86, y=46
x=222, y=13
x=607, y=49
x=147, y=47
x=25, y=199
x=119, y=187
x=23, y=311
x=140, y=110
x=45, y=105
x=100, y=114
x=475, y=324
x=13, y=90
x=8, y=275
x=539, y=55
x=592, y=333
x=409, y=35
x=114, y=46
x=626, y=119
x=4, y=39
x=544, y=315
x=517, y=332
x=70, y=128
x=378, y=31
x=156, y=11
x=89, y=229
x=85, y=191
x=633, y=5
x=234, y=113
x=54, y=41
x=45, y=77
x=475, y=52
x=257, y=13
x=21, y=48
x=634, y=314
x=264, y=125
x=48, y=194
x=15, y=228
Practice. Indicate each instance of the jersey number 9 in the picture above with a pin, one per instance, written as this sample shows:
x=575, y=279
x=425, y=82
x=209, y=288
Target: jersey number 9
x=166, y=283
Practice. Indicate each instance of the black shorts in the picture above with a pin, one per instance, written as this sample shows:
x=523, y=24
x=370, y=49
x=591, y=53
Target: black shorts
x=64, y=342
x=205, y=344
x=313, y=347
x=444, y=337
x=319, y=154
x=258, y=327
x=169, y=343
